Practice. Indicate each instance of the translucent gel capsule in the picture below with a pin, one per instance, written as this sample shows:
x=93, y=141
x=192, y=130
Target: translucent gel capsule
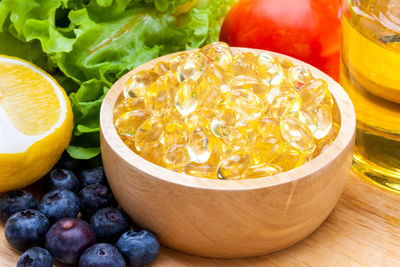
x=175, y=61
x=149, y=132
x=128, y=123
x=289, y=158
x=157, y=98
x=137, y=84
x=218, y=53
x=199, y=118
x=268, y=127
x=252, y=84
x=285, y=105
x=209, y=93
x=161, y=68
x=128, y=104
x=313, y=93
x=186, y=97
x=218, y=75
x=298, y=77
x=153, y=152
x=245, y=102
x=174, y=133
x=242, y=64
x=176, y=156
x=285, y=63
x=200, y=144
x=324, y=121
x=171, y=83
x=223, y=123
x=203, y=170
x=309, y=119
x=266, y=149
x=234, y=166
x=191, y=67
x=262, y=170
x=297, y=135
x=241, y=140
x=247, y=124
x=269, y=69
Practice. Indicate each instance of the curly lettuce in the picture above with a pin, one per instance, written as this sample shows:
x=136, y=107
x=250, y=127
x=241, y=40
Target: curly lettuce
x=88, y=45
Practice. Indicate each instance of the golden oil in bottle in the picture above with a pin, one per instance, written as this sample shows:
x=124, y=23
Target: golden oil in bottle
x=370, y=73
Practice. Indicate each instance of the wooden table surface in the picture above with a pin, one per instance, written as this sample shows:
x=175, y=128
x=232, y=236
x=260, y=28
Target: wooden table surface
x=363, y=230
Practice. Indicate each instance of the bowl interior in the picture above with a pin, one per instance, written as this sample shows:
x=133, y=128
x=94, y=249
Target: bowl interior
x=344, y=137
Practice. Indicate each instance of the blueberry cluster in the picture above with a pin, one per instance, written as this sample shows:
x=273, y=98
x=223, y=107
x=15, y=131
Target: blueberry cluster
x=76, y=221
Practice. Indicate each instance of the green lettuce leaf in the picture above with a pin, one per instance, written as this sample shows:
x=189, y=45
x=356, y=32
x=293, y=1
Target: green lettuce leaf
x=88, y=45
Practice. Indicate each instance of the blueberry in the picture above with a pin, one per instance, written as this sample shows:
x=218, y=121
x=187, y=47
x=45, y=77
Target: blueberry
x=102, y=255
x=139, y=247
x=58, y=204
x=95, y=197
x=15, y=201
x=66, y=162
x=35, y=257
x=62, y=179
x=109, y=223
x=93, y=176
x=26, y=228
x=68, y=238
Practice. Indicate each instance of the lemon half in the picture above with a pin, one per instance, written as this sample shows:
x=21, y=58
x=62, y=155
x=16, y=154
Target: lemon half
x=36, y=123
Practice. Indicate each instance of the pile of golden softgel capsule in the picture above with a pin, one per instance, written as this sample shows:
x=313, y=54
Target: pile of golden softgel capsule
x=213, y=114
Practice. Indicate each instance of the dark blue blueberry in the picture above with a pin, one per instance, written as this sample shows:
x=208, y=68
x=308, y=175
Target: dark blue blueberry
x=95, y=197
x=58, y=204
x=15, y=201
x=102, y=255
x=109, y=224
x=66, y=162
x=68, y=238
x=26, y=229
x=93, y=176
x=35, y=257
x=62, y=179
x=139, y=247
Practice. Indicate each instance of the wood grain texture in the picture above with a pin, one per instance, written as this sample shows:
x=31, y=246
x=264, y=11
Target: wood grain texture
x=227, y=219
x=363, y=230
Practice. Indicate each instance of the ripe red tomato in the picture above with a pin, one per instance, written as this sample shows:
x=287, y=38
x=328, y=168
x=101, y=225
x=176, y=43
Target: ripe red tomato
x=308, y=30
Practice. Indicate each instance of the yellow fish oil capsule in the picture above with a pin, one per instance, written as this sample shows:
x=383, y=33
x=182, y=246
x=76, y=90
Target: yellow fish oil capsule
x=171, y=84
x=262, y=170
x=266, y=149
x=285, y=106
x=219, y=53
x=191, y=67
x=149, y=132
x=285, y=63
x=313, y=93
x=161, y=68
x=176, y=156
x=202, y=170
x=186, y=97
x=324, y=121
x=153, y=152
x=128, y=123
x=298, y=77
x=218, y=75
x=174, y=133
x=209, y=93
x=200, y=144
x=128, y=104
x=242, y=64
x=290, y=158
x=245, y=102
x=309, y=119
x=175, y=61
x=234, y=166
x=269, y=69
x=199, y=118
x=223, y=123
x=241, y=140
x=137, y=84
x=297, y=135
x=268, y=127
x=157, y=98
x=252, y=84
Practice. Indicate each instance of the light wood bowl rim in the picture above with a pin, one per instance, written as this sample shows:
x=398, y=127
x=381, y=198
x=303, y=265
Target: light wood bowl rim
x=344, y=137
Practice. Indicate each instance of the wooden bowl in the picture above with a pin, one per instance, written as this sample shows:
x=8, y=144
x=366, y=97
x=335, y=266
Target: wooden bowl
x=228, y=218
